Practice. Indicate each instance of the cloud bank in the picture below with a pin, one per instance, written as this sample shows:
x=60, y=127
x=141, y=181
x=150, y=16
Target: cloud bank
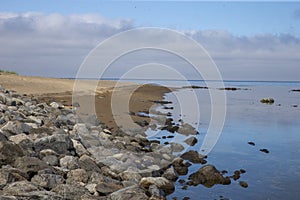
x=55, y=45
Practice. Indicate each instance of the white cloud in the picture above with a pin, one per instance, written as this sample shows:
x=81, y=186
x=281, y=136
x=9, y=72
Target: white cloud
x=55, y=45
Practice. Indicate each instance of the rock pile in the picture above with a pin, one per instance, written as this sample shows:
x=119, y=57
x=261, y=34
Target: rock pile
x=47, y=152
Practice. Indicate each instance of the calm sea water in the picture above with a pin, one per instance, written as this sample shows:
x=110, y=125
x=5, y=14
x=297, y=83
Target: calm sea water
x=276, y=127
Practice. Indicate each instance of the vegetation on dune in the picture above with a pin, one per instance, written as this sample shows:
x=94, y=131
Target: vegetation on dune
x=8, y=71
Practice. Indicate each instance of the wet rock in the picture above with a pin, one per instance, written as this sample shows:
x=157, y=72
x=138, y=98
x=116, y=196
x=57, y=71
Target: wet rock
x=9, y=152
x=175, y=147
x=242, y=171
x=132, y=193
x=107, y=188
x=170, y=174
x=243, y=184
x=187, y=129
x=251, y=143
x=237, y=175
x=160, y=182
x=181, y=166
x=265, y=150
x=191, y=141
x=60, y=143
x=193, y=156
x=267, y=101
x=162, y=102
x=78, y=175
x=208, y=176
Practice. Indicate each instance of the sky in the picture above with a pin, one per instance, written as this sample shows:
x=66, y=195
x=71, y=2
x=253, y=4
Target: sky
x=247, y=40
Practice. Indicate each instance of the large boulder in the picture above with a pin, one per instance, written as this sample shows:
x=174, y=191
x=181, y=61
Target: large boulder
x=208, y=176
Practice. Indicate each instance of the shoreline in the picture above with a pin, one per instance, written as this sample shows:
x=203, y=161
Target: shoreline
x=60, y=90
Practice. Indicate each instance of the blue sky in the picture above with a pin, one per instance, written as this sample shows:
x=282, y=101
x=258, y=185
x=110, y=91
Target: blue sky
x=247, y=40
x=240, y=18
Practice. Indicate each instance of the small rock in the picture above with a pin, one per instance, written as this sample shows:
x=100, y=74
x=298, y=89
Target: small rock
x=70, y=191
x=69, y=162
x=47, y=181
x=60, y=143
x=187, y=129
x=265, y=150
x=132, y=193
x=107, y=188
x=170, y=174
x=54, y=105
x=78, y=175
x=251, y=143
x=160, y=182
x=267, y=100
x=191, y=141
x=193, y=156
x=243, y=184
x=181, y=166
x=175, y=147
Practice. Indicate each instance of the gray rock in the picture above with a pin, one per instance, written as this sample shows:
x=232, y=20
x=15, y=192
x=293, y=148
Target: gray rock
x=78, y=175
x=19, y=188
x=69, y=162
x=89, y=164
x=170, y=174
x=9, y=152
x=104, y=188
x=47, y=181
x=60, y=143
x=30, y=165
x=23, y=140
x=79, y=148
x=187, y=129
x=191, y=141
x=41, y=195
x=132, y=193
x=72, y=191
x=36, y=120
x=208, y=176
x=193, y=156
x=180, y=166
x=160, y=182
x=51, y=160
x=177, y=147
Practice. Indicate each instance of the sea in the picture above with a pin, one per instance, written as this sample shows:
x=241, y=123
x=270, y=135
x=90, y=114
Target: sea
x=274, y=174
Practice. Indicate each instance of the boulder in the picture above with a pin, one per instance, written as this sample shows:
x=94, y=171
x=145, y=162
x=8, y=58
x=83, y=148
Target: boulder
x=73, y=191
x=9, y=152
x=69, y=162
x=160, y=182
x=104, y=188
x=267, y=100
x=47, y=180
x=78, y=175
x=186, y=129
x=19, y=188
x=193, y=156
x=60, y=143
x=208, y=176
x=30, y=165
x=132, y=193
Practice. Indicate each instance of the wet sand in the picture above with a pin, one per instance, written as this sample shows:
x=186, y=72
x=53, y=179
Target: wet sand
x=60, y=90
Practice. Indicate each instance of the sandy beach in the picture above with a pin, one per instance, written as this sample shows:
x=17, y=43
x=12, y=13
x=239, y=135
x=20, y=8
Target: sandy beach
x=60, y=90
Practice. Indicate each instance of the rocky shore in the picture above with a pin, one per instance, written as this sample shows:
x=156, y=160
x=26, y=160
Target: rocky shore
x=48, y=153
